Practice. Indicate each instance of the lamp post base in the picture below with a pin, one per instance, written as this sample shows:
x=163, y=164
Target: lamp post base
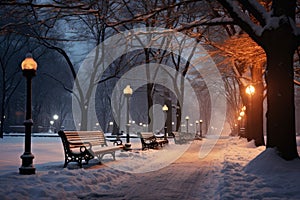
x=127, y=147
x=27, y=167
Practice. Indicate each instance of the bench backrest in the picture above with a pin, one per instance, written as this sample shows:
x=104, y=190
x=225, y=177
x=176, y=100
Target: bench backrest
x=80, y=137
x=146, y=135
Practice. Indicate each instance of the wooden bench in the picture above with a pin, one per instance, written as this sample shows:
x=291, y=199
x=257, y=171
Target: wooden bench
x=183, y=137
x=85, y=145
x=149, y=141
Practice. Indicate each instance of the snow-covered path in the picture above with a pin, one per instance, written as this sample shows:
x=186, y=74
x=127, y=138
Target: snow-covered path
x=188, y=178
x=234, y=169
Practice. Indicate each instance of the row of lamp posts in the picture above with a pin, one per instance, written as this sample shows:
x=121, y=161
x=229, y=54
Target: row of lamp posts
x=250, y=90
x=52, y=122
x=200, y=122
x=127, y=93
x=29, y=67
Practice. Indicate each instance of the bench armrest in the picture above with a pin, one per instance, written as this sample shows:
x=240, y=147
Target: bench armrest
x=84, y=145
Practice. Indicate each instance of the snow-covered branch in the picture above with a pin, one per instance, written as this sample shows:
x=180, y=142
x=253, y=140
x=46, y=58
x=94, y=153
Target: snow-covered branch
x=257, y=10
x=56, y=5
x=242, y=19
x=205, y=21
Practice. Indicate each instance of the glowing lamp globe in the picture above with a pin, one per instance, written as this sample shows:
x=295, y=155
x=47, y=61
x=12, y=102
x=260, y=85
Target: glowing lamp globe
x=29, y=63
x=165, y=108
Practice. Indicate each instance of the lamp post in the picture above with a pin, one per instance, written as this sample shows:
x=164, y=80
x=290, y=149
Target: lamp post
x=111, y=127
x=250, y=90
x=196, y=128
x=55, y=118
x=200, y=126
x=51, y=127
x=173, y=124
x=187, y=123
x=29, y=67
x=165, y=110
x=97, y=126
x=242, y=122
x=127, y=93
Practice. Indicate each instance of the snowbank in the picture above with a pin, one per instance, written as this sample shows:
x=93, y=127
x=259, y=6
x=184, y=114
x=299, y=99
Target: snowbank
x=235, y=169
x=255, y=173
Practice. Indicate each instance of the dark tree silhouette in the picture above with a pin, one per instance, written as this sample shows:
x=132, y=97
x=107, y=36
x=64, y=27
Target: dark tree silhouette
x=275, y=31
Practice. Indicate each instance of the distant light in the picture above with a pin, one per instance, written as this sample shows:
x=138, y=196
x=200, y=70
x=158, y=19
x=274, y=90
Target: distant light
x=55, y=117
x=250, y=90
x=111, y=123
x=127, y=90
x=242, y=113
x=187, y=118
x=165, y=108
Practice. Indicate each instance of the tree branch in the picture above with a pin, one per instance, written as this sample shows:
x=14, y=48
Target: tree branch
x=242, y=19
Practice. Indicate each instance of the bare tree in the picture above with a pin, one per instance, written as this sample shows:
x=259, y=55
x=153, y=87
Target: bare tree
x=279, y=41
x=10, y=45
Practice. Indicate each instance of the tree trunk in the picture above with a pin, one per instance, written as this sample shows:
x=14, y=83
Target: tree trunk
x=280, y=97
x=84, y=119
x=257, y=106
x=150, y=106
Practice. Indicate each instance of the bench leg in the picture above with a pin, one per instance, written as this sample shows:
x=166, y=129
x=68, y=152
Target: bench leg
x=66, y=163
x=100, y=156
x=80, y=162
x=114, y=155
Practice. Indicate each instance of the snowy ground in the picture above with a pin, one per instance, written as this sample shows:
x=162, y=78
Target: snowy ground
x=234, y=169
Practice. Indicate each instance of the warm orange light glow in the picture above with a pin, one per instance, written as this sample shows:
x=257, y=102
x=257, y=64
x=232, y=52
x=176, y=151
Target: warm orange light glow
x=243, y=108
x=239, y=118
x=250, y=90
x=29, y=63
x=242, y=113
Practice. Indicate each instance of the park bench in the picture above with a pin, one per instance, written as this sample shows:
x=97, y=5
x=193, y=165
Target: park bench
x=115, y=138
x=85, y=145
x=182, y=137
x=150, y=141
